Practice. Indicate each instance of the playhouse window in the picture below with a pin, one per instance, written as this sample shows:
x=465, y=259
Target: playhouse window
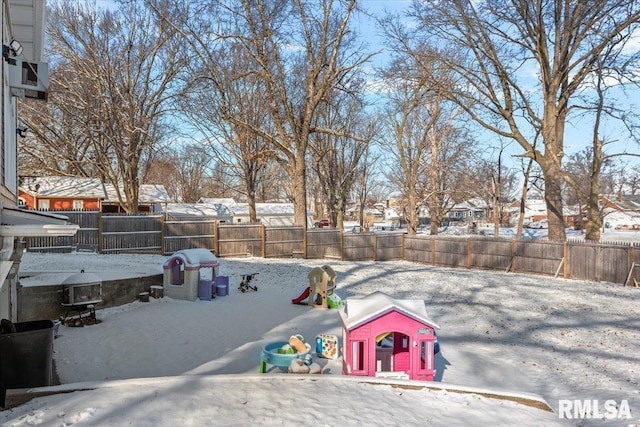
x=357, y=356
x=177, y=273
x=206, y=273
x=426, y=355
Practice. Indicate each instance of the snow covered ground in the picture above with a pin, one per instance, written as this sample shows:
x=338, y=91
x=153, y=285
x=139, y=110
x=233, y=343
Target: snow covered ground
x=171, y=362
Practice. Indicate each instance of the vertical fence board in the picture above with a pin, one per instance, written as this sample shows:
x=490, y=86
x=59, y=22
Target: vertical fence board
x=322, y=242
x=389, y=247
x=282, y=242
x=240, y=240
x=188, y=233
x=358, y=247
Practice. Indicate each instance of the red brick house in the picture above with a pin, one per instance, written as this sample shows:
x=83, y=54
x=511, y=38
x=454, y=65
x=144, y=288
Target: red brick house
x=87, y=194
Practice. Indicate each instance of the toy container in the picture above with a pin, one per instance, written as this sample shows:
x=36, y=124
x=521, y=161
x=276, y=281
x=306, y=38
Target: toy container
x=327, y=346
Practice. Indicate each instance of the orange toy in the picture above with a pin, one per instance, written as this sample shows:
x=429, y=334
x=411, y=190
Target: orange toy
x=297, y=343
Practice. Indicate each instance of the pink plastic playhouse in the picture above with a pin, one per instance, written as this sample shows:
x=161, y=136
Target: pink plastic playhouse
x=385, y=337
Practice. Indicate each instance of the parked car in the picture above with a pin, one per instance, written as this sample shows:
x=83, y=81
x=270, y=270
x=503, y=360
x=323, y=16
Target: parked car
x=538, y=224
x=322, y=223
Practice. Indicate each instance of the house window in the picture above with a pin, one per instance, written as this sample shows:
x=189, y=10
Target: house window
x=239, y=220
x=78, y=205
x=43, y=205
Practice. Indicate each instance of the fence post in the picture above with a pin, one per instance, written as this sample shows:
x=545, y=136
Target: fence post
x=341, y=244
x=565, y=269
x=433, y=251
x=100, y=230
x=304, y=240
x=216, y=238
x=263, y=240
x=468, y=252
x=513, y=255
x=162, y=234
x=375, y=246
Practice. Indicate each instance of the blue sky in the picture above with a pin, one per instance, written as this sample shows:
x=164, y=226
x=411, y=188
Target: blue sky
x=579, y=130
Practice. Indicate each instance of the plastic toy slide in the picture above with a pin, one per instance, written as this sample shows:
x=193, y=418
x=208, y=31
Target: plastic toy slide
x=303, y=296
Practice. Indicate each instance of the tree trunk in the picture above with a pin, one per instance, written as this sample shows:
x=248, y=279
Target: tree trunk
x=435, y=214
x=300, y=190
x=412, y=217
x=594, y=221
x=553, y=199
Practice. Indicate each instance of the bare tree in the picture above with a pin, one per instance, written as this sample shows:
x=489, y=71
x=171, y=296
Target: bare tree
x=493, y=182
x=300, y=52
x=587, y=186
x=367, y=188
x=337, y=159
x=186, y=171
x=57, y=142
x=118, y=72
x=560, y=40
x=244, y=153
x=424, y=144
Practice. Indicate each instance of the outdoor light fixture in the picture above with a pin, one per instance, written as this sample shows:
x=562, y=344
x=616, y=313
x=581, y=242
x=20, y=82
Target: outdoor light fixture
x=16, y=47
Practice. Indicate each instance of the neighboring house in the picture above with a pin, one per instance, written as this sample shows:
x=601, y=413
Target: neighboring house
x=534, y=210
x=61, y=193
x=225, y=201
x=469, y=211
x=23, y=75
x=371, y=215
x=621, y=211
x=391, y=216
x=216, y=211
x=89, y=194
x=151, y=199
x=270, y=214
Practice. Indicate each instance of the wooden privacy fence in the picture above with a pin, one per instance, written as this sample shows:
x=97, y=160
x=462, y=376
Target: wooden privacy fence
x=616, y=263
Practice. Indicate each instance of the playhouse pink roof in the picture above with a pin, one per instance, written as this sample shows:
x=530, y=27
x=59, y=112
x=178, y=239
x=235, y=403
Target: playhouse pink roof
x=358, y=311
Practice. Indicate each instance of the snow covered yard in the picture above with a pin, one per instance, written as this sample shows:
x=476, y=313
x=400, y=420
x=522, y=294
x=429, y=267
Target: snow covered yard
x=499, y=332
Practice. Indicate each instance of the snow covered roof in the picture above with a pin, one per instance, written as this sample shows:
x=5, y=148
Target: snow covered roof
x=367, y=210
x=471, y=204
x=147, y=193
x=627, y=202
x=194, y=258
x=264, y=209
x=242, y=209
x=80, y=187
x=64, y=186
x=226, y=201
x=358, y=311
x=197, y=209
